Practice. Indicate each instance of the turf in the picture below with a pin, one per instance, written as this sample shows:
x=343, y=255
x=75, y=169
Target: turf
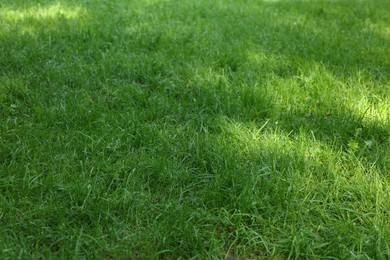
x=194, y=129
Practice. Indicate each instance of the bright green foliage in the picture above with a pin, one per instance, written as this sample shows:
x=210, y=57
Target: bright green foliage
x=205, y=129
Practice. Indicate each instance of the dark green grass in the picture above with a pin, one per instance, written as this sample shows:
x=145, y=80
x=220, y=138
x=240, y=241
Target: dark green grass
x=194, y=129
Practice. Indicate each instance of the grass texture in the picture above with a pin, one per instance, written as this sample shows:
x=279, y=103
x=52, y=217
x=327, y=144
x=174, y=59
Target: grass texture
x=195, y=129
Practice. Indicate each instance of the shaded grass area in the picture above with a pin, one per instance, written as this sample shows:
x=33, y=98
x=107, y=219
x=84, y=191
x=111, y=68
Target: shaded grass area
x=194, y=129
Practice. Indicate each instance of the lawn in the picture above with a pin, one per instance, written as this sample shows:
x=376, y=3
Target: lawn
x=194, y=129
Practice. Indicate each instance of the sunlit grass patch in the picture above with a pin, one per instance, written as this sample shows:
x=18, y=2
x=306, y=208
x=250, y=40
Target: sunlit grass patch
x=313, y=179
x=55, y=10
x=370, y=113
x=48, y=16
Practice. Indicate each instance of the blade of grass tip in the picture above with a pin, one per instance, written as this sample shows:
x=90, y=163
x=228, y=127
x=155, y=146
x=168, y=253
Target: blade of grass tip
x=262, y=127
x=85, y=200
x=77, y=248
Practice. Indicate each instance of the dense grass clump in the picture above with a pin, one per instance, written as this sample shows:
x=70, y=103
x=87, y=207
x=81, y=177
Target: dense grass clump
x=195, y=129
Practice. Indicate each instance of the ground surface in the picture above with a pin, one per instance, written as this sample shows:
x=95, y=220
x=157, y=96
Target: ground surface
x=184, y=128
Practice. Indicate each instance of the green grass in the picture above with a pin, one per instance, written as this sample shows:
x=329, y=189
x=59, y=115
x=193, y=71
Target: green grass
x=195, y=129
